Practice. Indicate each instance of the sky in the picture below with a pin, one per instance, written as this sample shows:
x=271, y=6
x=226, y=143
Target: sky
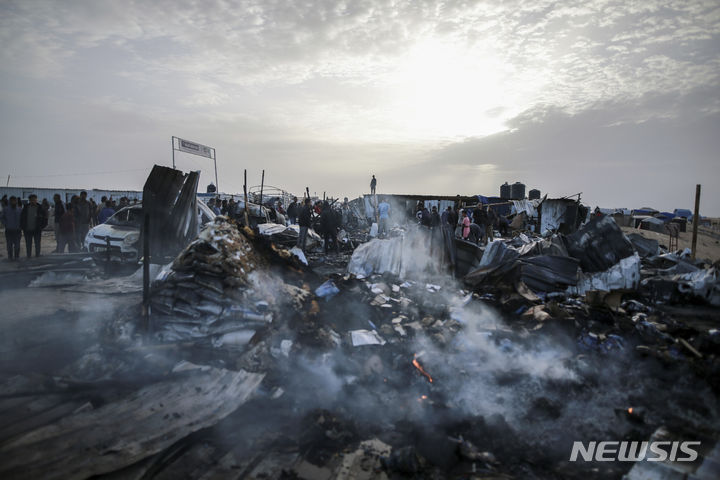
x=617, y=100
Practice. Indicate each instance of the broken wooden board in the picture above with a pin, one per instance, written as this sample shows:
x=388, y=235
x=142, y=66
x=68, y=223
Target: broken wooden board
x=124, y=432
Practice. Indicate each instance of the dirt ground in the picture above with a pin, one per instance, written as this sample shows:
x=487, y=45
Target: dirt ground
x=47, y=244
x=708, y=242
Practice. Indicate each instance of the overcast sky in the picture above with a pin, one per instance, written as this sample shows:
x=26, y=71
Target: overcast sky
x=619, y=100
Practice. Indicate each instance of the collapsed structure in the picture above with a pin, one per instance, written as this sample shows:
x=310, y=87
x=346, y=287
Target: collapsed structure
x=385, y=364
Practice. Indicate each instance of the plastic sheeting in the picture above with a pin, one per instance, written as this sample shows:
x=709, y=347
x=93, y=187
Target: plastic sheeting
x=646, y=247
x=625, y=275
x=703, y=283
x=599, y=245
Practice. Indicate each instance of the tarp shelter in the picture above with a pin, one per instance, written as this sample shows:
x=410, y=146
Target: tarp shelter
x=653, y=224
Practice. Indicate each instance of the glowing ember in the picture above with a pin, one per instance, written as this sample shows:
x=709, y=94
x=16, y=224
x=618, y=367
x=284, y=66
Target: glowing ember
x=422, y=370
x=630, y=410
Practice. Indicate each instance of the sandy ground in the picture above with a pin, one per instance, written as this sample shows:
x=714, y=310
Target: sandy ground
x=47, y=244
x=708, y=243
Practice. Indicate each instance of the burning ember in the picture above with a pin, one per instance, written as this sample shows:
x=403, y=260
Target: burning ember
x=421, y=369
x=630, y=410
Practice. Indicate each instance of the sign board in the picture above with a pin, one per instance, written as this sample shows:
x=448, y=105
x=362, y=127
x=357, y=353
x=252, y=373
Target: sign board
x=194, y=148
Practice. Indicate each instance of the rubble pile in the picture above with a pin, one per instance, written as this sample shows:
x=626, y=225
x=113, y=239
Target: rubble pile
x=207, y=290
x=391, y=369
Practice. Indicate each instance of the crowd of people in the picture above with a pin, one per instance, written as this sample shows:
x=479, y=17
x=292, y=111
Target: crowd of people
x=475, y=224
x=71, y=221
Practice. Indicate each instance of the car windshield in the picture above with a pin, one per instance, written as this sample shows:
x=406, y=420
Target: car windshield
x=127, y=217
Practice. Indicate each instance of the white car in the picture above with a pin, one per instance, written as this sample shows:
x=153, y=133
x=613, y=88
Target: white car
x=123, y=231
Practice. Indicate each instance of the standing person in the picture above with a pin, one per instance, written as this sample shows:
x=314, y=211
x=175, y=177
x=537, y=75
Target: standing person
x=482, y=220
x=106, y=212
x=57, y=215
x=327, y=225
x=373, y=184
x=434, y=218
x=32, y=222
x=304, y=220
x=11, y=220
x=465, y=225
x=293, y=211
x=384, y=217
x=82, y=214
x=492, y=223
x=66, y=229
x=94, y=211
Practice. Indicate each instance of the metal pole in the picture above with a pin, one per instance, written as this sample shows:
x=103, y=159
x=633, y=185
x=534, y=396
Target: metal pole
x=217, y=187
x=262, y=184
x=695, y=221
x=146, y=272
x=8, y=181
x=172, y=144
x=247, y=219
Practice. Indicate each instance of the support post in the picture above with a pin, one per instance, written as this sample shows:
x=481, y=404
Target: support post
x=695, y=221
x=172, y=144
x=262, y=185
x=217, y=187
x=146, y=273
x=247, y=217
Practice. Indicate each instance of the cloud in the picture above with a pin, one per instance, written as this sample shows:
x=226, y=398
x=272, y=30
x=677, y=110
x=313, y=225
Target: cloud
x=399, y=87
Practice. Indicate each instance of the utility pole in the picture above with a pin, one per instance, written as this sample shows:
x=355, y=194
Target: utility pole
x=695, y=221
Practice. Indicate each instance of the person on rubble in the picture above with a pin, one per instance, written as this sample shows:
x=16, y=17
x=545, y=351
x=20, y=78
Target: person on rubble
x=503, y=225
x=482, y=221
x=465, y=225
x=32, y=222
x=492, y=225
x=304, y=220
x=434, y=218
x=293, y=211
x=327, y=227
x=11, y=220
x=373, y=184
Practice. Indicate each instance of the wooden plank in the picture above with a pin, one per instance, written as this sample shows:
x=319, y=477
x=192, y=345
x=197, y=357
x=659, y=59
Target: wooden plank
x=124, y=432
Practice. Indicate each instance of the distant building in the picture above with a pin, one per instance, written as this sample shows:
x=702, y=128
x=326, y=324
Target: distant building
x=534, y=194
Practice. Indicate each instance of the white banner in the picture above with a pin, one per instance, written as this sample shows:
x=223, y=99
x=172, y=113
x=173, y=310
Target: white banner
x=194, y=148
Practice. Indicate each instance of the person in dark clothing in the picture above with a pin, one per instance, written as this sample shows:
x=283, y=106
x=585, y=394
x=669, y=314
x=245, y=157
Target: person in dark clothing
x=11, y=220
x=453, y=219
x=425, y=217
x=293, y=211
x=57, y=215
x=32, y=222
x=66, y=232
x=373, y=184
x=482, y=220
x=327, y=226
x=492, y=224
x=434, y=218
x=83, y=213
x=503, y=225
x=305, y=221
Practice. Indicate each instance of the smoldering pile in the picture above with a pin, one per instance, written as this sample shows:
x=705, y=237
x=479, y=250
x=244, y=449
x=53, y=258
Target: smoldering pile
x=208, y=290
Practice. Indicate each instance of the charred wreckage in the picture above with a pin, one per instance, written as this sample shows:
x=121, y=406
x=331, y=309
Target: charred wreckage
x=408, y=356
